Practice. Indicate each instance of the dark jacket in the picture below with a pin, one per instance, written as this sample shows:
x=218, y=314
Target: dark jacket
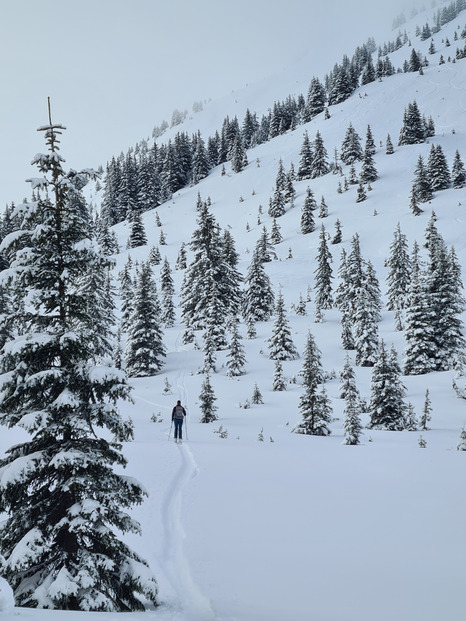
x=183, y=411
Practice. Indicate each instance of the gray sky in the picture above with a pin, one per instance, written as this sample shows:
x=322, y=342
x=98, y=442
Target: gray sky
x=115, y=68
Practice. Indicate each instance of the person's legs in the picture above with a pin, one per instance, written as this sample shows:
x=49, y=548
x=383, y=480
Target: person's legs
x=178, y=428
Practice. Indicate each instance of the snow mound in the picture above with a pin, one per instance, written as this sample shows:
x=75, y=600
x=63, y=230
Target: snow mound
x=7, y=602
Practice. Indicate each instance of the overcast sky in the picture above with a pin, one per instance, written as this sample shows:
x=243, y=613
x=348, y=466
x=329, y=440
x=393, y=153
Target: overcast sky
x=116, y=68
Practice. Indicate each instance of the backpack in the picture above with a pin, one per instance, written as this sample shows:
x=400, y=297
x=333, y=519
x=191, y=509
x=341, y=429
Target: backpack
x=179, y=413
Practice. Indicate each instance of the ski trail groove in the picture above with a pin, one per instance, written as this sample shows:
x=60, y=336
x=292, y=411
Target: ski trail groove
x=195, y=605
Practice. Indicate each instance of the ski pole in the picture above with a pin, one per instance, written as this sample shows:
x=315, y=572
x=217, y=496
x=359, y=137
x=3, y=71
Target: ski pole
x=169, y=433
x=186, y=426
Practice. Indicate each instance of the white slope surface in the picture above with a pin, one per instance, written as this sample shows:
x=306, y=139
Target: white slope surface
x=299, y=527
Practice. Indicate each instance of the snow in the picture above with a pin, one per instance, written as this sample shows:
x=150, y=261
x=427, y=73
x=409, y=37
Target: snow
x=300, y=527
x=6, y=596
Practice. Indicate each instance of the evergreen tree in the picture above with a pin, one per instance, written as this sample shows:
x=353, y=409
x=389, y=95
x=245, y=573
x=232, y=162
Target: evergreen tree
x=387, y=407
x=137, y=236
x=352, y=411
x=258, y=297
x=389, y=150
x=126, y=296
x=421, y=188
x=200, y=163
x=68, y=407
x=458, y=173
x=181, y=261
x=412, y=130
x=257, y=398
x=236, y=357
x=399, y=274
x=351, y=150
x=361, y=197
x=348, y=380
x=437, y=169
x=323, y=209
x=167, y=289
x=374, y=295
x=323, y=275
x=279, y=381
x=155, y=258
x=144, y=347
x=265, y=248
x=315, y=102
x=307, y=215
x=305, y=163
x=462, y=444
x=280, y=343
x=337, y=238
x=365, y=330
x=289, y=192
x=314, y=404
x=319, y=164
x=207, y=400
x=369, y=172
x=420, y=352
x=426, y=410
x=207, y=247
x=276, y=236
x=238, y=156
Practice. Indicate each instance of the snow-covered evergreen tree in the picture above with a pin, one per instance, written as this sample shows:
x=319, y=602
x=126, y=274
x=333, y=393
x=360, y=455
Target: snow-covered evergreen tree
x=64, y=504
x=458, y=173
x=387, y=407
x=437, y=169
x=279, y=381
x=256, y=398
x=207, y=401
x=258, y=297
x=352, y=411
x=145, y=350
x=307, y=213
x=236, y=357
x=319, y=165
x=426, y=412
x=281, y=345
x=137, y=236
x=323, y=275
x=413, y=129
x=399, y=271
x=314, y=403
x=305, y=163
x=365, y=329
x=421, y=187
x=351, y=150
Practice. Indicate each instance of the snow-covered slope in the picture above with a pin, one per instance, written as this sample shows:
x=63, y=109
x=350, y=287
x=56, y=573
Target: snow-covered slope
x=303, y=527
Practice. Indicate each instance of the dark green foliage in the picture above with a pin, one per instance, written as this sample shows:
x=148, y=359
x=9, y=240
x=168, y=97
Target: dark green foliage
x=207, y=401
x=387, y=407
x=437, y=169
x=399, y=275
x=323, y=275
x=351, y=150
x=280, y=343
x=307, y=213
x=413, y=130
x=314, y=404
x=145, y=351
x=458, y=173
x=61, y=498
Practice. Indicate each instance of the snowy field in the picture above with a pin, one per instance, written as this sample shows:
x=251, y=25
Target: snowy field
x=297, y=527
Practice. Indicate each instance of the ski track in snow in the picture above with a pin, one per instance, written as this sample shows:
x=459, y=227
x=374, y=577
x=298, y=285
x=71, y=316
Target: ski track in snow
x=196, y=606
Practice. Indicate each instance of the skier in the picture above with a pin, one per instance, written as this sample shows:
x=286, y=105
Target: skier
x=178, y=415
